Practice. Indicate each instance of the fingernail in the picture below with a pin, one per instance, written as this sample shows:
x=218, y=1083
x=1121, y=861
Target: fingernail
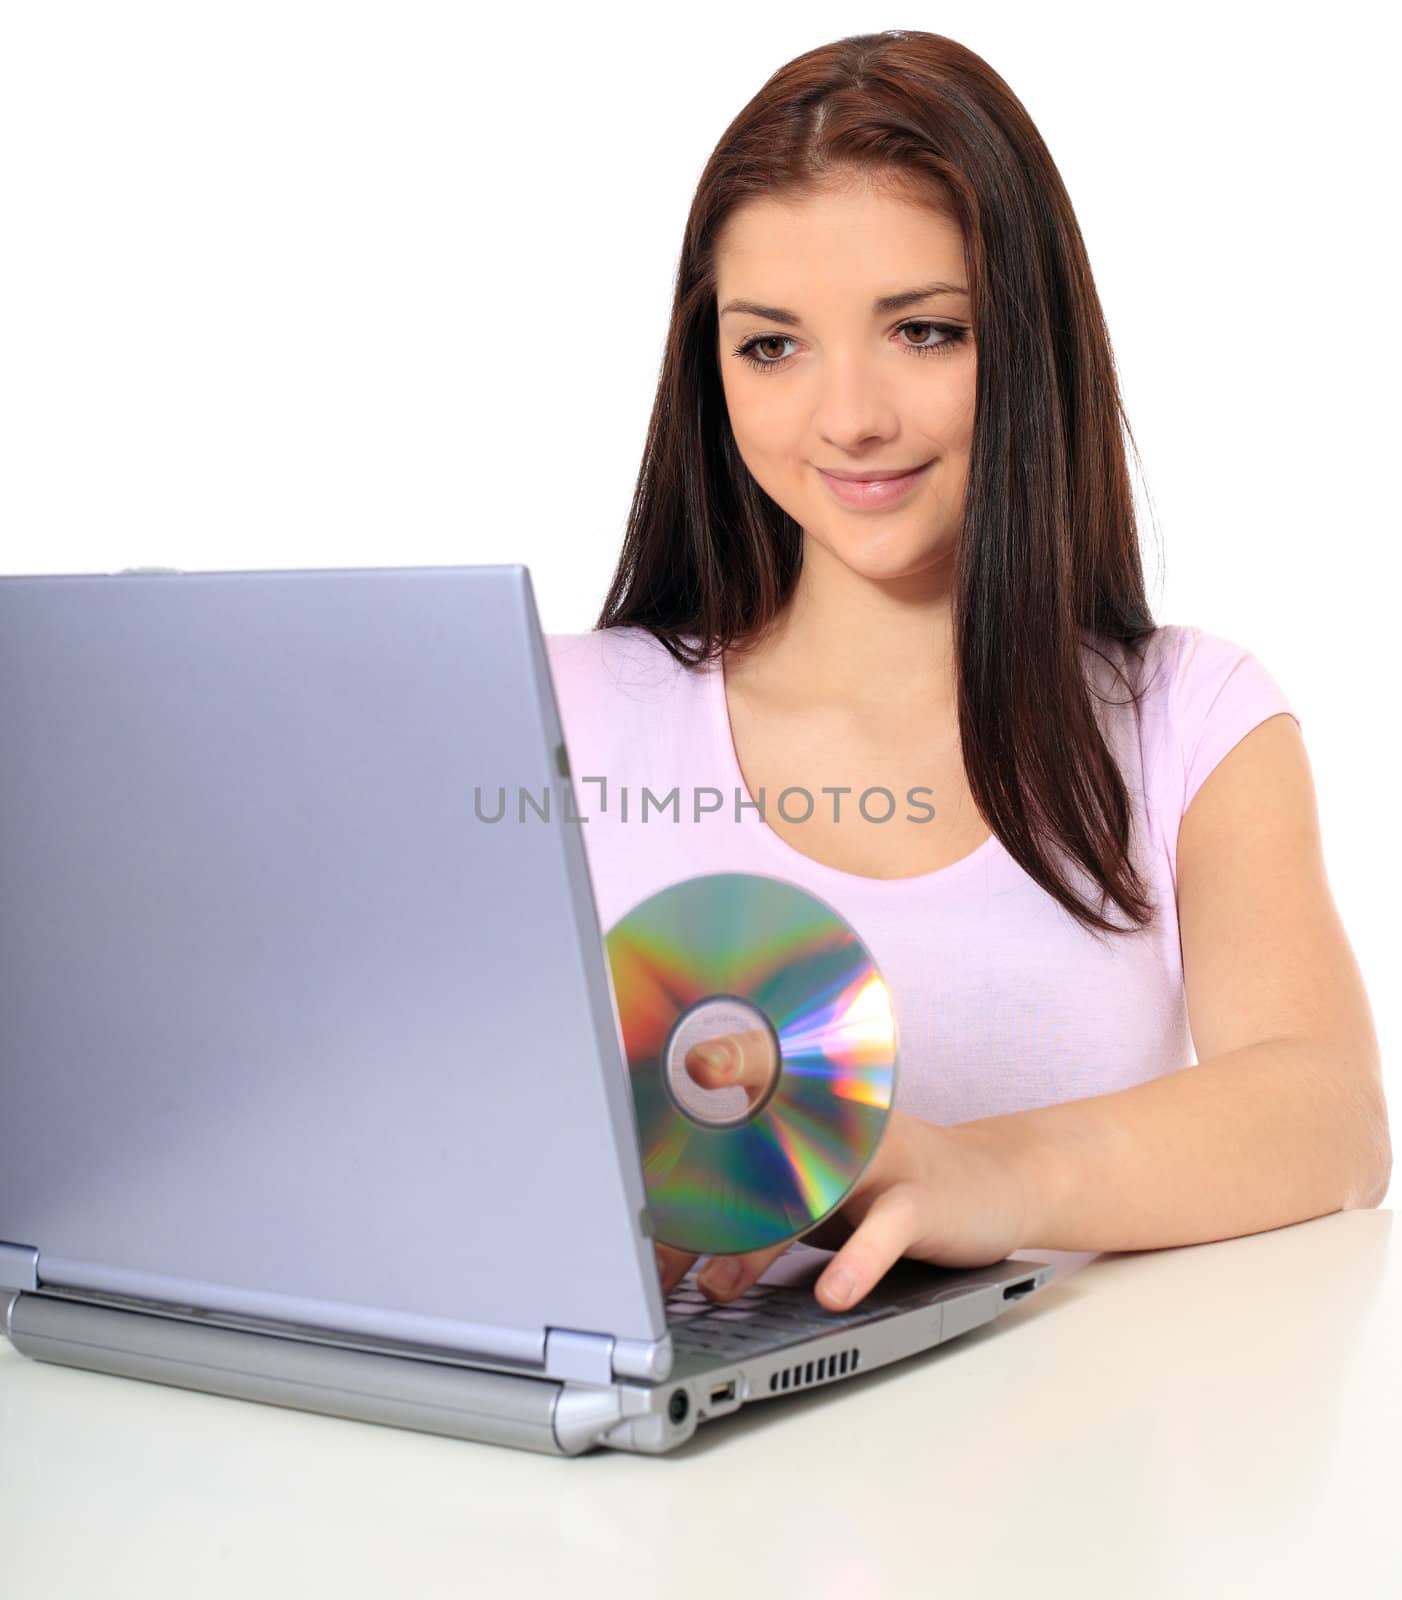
x=838, y=1286
x=720, y=1277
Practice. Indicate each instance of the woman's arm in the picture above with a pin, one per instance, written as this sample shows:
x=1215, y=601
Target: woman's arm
x=1284, y=1117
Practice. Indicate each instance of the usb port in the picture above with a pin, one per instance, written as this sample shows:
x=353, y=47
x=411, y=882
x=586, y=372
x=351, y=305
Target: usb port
x=723, y=1392
x=1015, y=1291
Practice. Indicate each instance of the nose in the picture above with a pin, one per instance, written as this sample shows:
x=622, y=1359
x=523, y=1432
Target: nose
x=854, y=404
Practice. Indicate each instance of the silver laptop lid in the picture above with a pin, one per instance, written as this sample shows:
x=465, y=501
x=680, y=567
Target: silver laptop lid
x=286, y=1030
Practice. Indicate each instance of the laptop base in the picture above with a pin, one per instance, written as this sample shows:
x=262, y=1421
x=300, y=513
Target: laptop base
x=463, y=1402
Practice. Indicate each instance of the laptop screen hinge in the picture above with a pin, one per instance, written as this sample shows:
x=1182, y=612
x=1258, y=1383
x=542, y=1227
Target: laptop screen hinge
x=599, y=1358
x=19, y=1266
x=582, y=1357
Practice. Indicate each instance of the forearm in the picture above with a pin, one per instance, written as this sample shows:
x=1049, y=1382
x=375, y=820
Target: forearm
x=1266, y=1135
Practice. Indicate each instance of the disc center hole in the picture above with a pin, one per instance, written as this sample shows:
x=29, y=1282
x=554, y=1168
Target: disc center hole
x=751, y=1053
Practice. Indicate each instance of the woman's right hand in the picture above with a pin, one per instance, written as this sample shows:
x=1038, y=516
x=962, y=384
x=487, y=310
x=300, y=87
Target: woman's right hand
x=725, y=1062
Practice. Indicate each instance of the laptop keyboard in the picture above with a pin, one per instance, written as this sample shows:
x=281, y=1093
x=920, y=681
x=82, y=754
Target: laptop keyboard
x=766, y=1317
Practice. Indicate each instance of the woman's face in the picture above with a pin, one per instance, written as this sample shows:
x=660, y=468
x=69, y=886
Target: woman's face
x=846, y=383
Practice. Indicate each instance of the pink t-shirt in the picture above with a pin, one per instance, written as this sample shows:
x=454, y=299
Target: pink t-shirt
x=1003, y=1002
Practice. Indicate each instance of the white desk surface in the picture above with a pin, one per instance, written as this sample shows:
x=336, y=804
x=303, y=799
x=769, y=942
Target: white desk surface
x=1221, y=1420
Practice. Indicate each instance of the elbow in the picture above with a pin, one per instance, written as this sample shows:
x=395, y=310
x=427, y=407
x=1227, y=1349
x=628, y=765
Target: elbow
x=1369, y=1139
x=1372, y=1171
x=1373, y=1190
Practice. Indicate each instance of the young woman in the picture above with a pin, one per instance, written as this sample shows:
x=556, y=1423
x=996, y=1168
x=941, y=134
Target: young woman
x=882, y=577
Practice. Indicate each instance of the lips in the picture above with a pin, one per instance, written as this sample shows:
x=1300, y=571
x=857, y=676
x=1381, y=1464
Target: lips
x=873, y=493
x=874, y=475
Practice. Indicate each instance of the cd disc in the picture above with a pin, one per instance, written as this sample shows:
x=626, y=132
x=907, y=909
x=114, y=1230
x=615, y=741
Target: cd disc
x=736, y=1169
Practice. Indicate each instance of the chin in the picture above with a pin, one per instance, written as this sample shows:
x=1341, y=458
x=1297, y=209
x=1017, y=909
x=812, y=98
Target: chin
x=884, y=559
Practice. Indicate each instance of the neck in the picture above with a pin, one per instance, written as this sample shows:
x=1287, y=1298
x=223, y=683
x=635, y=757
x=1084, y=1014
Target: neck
x=872, y=644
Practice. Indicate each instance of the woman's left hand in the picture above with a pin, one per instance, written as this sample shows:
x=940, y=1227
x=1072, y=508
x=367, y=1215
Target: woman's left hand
x=951, y=1196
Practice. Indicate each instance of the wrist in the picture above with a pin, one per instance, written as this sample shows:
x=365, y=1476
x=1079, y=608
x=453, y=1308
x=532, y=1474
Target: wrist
x=1034, y=1167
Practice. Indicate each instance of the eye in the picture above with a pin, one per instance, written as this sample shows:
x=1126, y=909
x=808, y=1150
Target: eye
x=951, y=337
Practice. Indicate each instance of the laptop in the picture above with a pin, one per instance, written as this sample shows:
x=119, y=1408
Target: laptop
x=312, y=1090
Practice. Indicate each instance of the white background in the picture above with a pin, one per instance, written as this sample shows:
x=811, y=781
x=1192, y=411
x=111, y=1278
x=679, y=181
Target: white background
x=292, y=285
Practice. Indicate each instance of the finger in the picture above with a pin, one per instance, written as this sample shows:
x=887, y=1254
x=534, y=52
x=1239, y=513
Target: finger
x=725, y=1277
x=672, y=1266
x=730, y=1059
x=874, y=1248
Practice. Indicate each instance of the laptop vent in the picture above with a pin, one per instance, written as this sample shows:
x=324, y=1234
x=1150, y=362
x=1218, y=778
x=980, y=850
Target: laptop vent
x=806, y=1372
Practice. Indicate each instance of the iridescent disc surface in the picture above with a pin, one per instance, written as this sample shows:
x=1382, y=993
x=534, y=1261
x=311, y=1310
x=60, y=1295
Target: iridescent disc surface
x=792, y=1159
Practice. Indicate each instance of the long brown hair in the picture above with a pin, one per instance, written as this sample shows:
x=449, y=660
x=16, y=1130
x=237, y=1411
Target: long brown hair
x=1048, y=556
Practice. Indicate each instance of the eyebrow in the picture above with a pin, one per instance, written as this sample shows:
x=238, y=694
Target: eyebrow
x=889, y=302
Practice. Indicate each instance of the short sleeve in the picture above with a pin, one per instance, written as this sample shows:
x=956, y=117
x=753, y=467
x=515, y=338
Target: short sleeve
x=1220, y=692
x=573, y=659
